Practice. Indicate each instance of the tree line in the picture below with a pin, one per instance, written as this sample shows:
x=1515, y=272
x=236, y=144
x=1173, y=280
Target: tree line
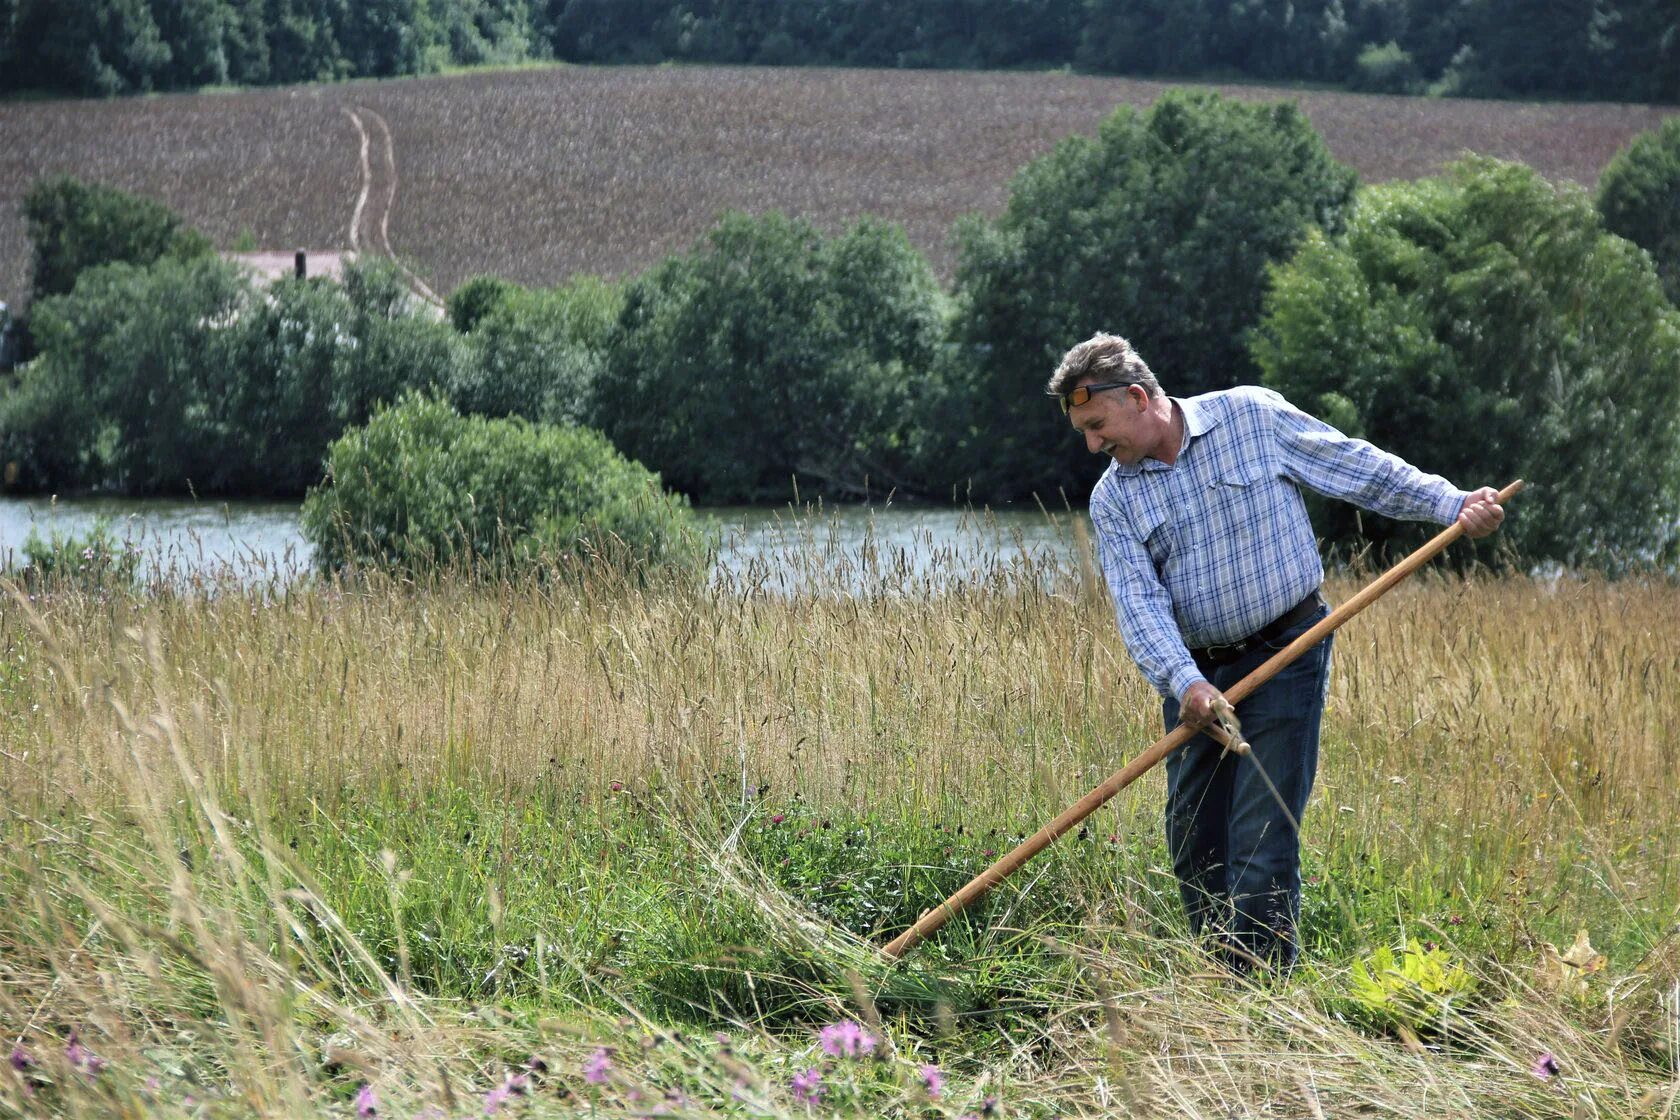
x=1483, y=324
x=1606, y=49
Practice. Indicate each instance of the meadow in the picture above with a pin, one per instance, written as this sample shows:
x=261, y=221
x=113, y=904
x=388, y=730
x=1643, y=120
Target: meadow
x=540, y=174
x=593, y=847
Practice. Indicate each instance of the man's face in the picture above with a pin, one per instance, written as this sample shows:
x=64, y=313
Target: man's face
x=1114, y=422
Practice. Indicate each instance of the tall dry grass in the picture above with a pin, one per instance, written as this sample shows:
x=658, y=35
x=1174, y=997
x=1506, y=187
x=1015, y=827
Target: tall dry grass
x=224, y=813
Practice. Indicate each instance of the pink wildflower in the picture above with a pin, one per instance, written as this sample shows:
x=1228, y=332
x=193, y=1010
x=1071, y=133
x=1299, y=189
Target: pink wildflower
x=778, y=818
x=846, y=1040
x=367, y=1102
x=933, y=1080
x=1545, y=1067
x=21, y=1061
x=808, y=1086
x=616, y=786
x=598, y=1067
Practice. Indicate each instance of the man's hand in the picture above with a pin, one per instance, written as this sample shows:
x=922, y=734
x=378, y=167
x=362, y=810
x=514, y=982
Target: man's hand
x=1481, y=513
x=1196, y=709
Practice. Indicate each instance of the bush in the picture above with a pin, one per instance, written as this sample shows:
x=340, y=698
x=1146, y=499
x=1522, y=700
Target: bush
x=421, y=487
x=1484, y=326
x=1639, y=196
x=75, y=226
x=770, y=353
x=1159, y=229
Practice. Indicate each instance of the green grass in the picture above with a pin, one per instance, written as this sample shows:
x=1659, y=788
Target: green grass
x=263, y=851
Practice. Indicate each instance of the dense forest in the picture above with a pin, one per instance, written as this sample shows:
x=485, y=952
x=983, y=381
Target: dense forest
x=1604, y=49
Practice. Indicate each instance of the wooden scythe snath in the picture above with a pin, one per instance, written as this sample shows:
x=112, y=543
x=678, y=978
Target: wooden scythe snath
x=1012, y=861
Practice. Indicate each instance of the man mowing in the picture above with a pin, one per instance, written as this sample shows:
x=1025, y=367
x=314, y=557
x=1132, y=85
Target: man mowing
x=1213, y=567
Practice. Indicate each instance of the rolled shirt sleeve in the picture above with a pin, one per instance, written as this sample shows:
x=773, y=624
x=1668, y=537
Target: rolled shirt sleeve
x=1338, y=466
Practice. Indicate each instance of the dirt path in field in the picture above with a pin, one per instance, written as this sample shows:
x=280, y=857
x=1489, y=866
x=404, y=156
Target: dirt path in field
x=370, y=221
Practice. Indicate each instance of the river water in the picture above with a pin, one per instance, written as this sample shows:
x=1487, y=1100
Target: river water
x=783, y=548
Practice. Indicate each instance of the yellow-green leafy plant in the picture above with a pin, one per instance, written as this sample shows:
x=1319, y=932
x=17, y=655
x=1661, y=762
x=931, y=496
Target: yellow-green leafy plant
x=1418, y=988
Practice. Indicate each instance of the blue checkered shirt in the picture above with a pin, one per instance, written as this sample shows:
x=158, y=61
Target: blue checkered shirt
x=1210, y=549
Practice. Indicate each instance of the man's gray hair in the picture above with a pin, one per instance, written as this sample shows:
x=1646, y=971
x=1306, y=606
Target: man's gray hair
x=1102, y=357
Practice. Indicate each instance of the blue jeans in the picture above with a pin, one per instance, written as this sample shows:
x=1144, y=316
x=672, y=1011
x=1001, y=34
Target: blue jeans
x=1236, y=855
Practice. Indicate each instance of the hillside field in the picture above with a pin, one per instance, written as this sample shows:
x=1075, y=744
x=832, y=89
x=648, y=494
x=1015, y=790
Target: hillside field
x=542, y=173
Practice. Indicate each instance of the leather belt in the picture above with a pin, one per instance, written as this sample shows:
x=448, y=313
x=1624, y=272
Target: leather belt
x=1276, y=628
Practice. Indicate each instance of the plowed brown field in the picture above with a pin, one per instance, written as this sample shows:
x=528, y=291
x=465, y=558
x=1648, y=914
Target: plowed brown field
x=538, y=174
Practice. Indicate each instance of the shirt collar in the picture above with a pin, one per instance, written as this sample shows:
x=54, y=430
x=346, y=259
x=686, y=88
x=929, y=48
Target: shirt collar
x=1198, y=418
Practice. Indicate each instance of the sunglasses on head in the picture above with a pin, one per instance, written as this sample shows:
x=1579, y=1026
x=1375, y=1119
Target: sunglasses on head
x=1079, y=394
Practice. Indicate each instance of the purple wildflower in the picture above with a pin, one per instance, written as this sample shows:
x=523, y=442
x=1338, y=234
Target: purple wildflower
x=21, y=1061
x=81, y=1058
x=367, y=1102
x=846, y=1040
x=616, y=786
x=495, y=1099
x=518, y=1084
x=598, y=1067
x=1545, y=1067
x=933, y=1080
x=808, y=1087
x=778, y=818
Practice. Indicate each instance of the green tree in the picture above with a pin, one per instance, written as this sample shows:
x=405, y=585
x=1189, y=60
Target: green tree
x=1639, y=196
x=421, y=486
x=146, y=348
x=75, y=225
x=102, y=47
x=537, y=353
x=11, y=56
x=49, y=432
x=197, y=33
x=1160, y=229
x=398, y=347
x=281, y=401
x=475, y=299
x=1484, y=326
x=1146, y=36
x=768, y=353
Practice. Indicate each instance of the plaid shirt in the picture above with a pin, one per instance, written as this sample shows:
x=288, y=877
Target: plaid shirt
x=1210, y=549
